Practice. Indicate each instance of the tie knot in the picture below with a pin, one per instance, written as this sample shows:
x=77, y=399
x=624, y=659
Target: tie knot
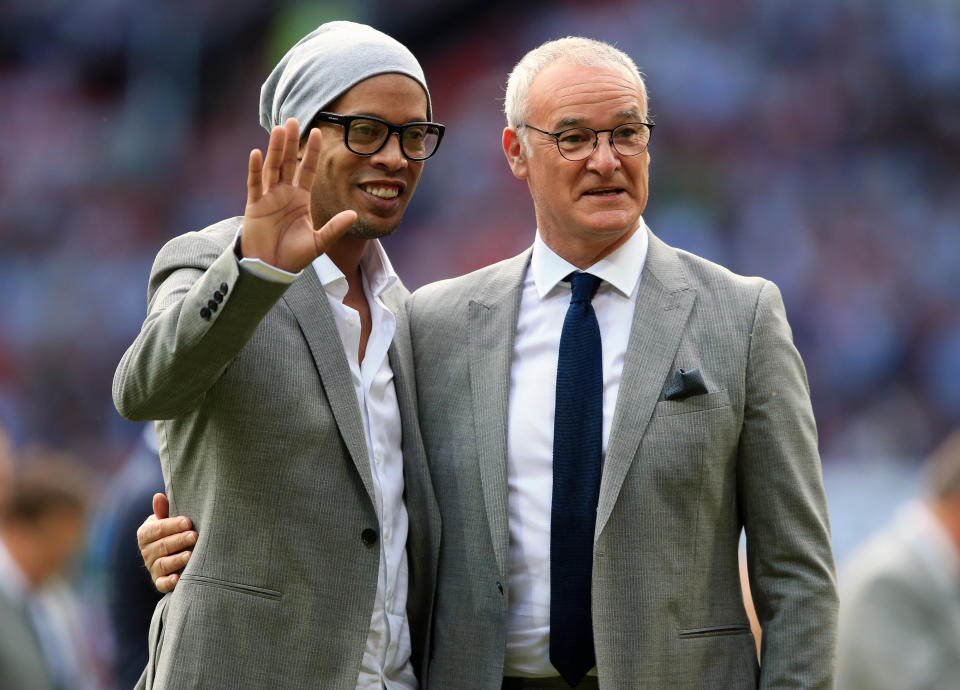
x=584, y=286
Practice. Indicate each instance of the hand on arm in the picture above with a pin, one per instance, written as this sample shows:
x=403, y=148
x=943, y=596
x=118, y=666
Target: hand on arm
x=277, y=225
x=164, y=544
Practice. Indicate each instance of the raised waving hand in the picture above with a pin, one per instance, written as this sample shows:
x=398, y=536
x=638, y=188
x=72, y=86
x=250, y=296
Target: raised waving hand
x=277, y=225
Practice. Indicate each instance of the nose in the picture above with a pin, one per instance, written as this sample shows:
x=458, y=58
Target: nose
x=604, y=159
x=390, y=157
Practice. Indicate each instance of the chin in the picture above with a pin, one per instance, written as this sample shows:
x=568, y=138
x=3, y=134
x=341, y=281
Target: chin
x=610, y=227
x=365, y=230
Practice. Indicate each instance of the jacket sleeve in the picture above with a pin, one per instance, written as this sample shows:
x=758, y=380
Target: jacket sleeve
x=202, y=310
x=784, y=510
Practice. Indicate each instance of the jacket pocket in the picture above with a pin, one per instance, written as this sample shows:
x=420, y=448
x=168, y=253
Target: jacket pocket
x=695, y=403
x=714, y=631
x=232, y=586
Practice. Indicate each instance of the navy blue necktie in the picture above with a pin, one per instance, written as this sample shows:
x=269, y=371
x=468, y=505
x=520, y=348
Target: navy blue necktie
x=577, y=447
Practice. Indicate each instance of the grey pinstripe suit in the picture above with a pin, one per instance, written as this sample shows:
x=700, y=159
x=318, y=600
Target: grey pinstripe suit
x=262, y=446
x=680, y=480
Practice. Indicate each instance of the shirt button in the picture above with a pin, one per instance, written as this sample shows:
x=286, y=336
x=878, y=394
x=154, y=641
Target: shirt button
x=378, y=458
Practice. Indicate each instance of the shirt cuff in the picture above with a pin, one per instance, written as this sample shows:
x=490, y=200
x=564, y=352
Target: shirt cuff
x=262, y=269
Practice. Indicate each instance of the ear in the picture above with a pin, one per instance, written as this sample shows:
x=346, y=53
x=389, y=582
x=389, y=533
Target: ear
x=513, y=150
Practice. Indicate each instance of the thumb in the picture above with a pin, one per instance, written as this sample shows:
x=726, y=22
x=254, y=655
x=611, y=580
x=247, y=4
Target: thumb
x=333, y=230
x=161, y=506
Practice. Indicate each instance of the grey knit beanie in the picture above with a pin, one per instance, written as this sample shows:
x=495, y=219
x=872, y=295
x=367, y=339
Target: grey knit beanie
x=325, y=64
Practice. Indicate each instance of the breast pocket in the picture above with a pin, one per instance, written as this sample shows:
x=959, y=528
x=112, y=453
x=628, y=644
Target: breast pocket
x=696, y=403
x=688, y=451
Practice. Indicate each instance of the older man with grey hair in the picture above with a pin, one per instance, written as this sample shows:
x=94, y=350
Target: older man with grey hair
x=605, y=415
x=275, y=358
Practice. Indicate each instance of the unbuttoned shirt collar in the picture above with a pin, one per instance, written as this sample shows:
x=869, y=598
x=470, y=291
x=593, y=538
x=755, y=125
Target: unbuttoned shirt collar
x=621, y=268
x=376, y=268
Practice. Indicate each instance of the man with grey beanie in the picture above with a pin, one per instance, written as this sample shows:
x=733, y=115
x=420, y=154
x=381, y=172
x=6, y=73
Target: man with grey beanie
x=275, y=357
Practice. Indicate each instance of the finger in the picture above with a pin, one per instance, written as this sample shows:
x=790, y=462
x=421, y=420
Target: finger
x=175, y=543
x=161, y=506
x=271, y=164
x=255, y=177
x=153, y=529
x=166, y=584
x=291, y=145
x=169, y=565
x=333, y=230
x=158, y=551
x=310, y=162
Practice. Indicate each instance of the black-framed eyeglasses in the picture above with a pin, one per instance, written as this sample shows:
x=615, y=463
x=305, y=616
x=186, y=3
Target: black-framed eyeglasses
x=364, y=135
x=577, y=143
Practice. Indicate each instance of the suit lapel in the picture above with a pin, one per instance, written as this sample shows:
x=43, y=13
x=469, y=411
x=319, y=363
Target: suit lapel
x=663, y=305
x=493, y=315
x=414, y=455
x=308, y=302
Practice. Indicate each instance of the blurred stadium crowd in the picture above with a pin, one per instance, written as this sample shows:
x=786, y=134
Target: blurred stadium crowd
x=814, y=143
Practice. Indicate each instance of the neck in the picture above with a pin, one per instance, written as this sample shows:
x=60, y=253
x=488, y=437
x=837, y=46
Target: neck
x=583, y=252
x=346, y=254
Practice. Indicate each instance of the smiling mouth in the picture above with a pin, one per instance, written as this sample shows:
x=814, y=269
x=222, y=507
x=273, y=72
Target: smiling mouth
x=381, y=191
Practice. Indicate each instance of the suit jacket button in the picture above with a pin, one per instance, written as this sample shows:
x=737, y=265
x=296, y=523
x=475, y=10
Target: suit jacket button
x=369, y=536
x=500, y=588
x=205, y=313
x=212, y=305
x=223, y=288
x=218, y=296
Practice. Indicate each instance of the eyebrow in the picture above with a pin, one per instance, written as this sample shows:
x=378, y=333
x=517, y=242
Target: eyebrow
x=629, y=115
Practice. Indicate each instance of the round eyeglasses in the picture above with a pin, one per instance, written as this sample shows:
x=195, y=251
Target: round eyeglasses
x=364, y=135
x=577, y=143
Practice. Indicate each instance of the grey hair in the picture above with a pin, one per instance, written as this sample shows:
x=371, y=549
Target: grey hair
x=583, y=51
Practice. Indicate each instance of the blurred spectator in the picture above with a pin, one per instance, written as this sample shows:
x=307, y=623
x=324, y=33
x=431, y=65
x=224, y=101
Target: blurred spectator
x=130, y=595
x=41, y=527
x=900, y=594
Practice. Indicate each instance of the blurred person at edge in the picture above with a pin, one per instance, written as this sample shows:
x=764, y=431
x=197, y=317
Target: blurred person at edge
x=130, y=596
x=900, y=592
x=41, y=629
x=697, y=413
x=275, y=357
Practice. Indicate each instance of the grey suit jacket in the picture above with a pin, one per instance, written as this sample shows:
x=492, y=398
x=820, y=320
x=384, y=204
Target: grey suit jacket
x=681, y=479
x=22, y=664
x=262, y=446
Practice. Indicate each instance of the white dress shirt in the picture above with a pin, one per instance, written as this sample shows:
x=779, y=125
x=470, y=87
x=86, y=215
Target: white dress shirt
x=533, y=381
x=386, y=656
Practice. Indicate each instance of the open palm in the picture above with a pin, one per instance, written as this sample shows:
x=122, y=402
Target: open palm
x=277, y=226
